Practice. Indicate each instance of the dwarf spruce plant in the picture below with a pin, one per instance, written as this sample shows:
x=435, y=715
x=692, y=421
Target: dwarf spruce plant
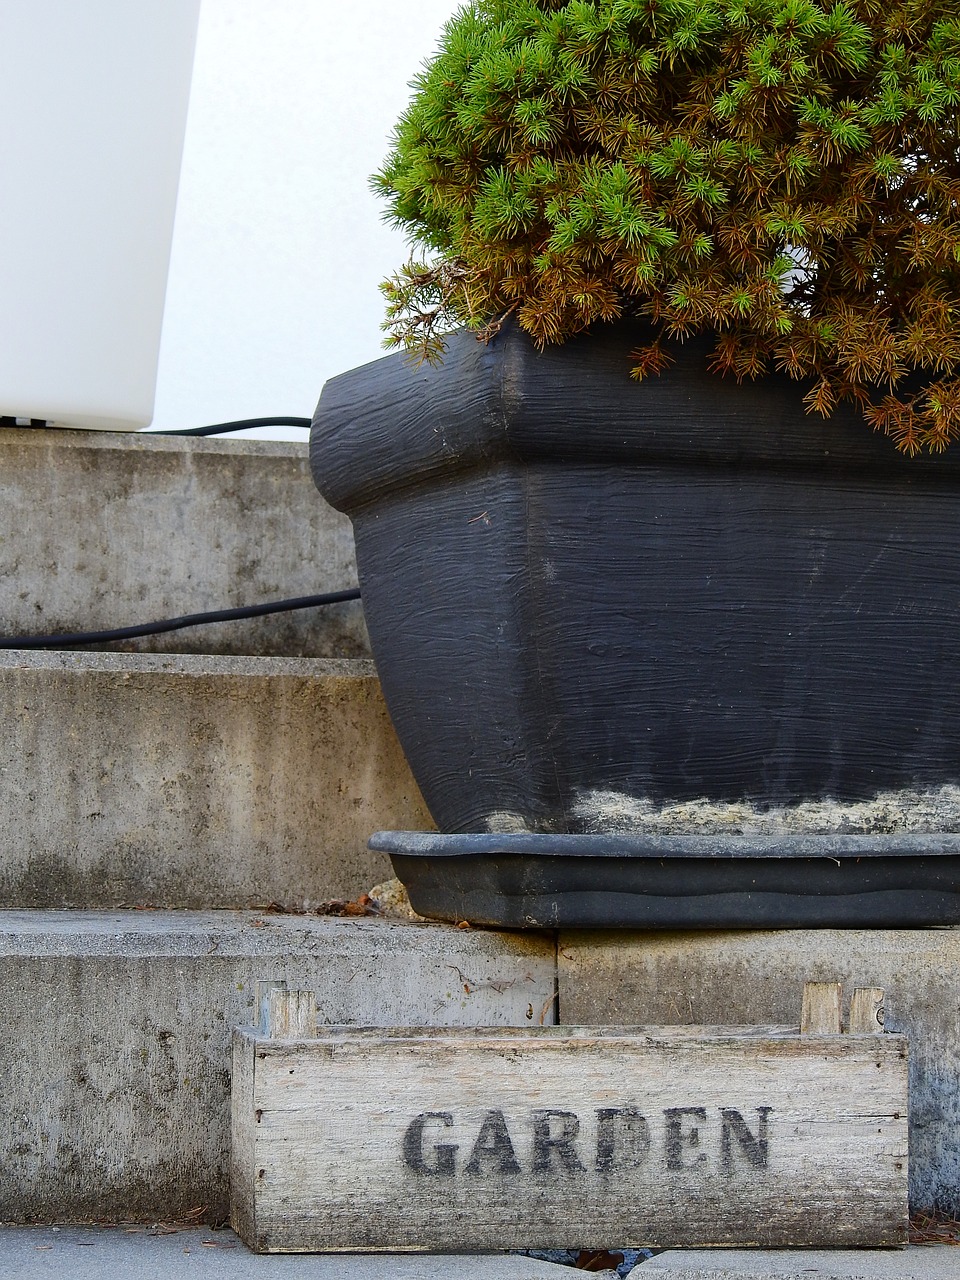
x=782, y=174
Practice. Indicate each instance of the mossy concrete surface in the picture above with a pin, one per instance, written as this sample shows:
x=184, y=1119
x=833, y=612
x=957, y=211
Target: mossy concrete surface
x=194, y=781
x=747, y=977
x=115, y=1037
x=100, y=530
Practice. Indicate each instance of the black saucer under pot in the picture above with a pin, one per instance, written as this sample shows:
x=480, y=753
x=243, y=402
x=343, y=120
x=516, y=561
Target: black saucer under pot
x=679, y=882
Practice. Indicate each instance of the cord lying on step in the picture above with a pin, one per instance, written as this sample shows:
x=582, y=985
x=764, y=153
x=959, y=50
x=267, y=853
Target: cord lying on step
x=222, y=428
x=216, y=429
x=177, y=624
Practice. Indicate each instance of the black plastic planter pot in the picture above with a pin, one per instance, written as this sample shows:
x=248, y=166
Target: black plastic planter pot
x=680, y=607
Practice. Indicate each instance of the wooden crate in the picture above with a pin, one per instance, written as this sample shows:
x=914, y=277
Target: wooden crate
x=470, y=1140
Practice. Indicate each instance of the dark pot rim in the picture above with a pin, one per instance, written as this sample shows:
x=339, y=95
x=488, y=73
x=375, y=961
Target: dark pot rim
x=392, y=423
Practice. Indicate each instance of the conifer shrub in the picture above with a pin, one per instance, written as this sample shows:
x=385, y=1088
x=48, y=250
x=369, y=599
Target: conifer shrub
x=781, y=174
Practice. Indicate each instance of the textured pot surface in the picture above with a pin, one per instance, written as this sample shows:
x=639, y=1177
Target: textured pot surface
x=685, y=605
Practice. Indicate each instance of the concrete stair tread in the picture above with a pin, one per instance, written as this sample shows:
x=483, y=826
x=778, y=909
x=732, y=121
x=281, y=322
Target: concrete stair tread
x=188, y=1253
x=917, y=1262
x=195, y=664
x=146, y=932
x=106, y=1253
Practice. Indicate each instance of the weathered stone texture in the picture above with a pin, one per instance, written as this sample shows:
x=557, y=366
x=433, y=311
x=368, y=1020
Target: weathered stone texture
x=194, y=781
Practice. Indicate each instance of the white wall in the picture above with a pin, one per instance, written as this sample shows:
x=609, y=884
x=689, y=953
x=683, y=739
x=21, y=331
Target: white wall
x=279, y=245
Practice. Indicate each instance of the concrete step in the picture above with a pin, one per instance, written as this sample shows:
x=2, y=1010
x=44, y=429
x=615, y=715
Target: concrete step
x=115, y=1029
x=131, y=528
x=169, y=1252
x=918, y=1262
x=98, y=1253
x=194, y=781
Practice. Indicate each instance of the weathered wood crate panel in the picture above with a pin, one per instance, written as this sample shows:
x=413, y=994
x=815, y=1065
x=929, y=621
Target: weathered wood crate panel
x=559, y=1137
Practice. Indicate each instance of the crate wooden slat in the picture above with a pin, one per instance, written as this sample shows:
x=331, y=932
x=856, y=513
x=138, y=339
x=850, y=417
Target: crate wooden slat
x=444, y=1139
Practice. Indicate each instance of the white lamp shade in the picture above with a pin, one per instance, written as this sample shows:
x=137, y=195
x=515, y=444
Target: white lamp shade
x=95, y=99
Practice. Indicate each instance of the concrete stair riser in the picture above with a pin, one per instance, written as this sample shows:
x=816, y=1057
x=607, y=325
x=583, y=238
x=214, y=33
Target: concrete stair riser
x=192, y=781
x=116, y=1026
x=116, y=1037
x=101, y=530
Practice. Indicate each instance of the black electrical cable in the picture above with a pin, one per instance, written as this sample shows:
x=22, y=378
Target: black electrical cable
x=218, y=428
x=241, y=425
x=177, y=624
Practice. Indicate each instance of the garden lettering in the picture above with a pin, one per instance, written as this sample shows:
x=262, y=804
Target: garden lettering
x=550, y=1141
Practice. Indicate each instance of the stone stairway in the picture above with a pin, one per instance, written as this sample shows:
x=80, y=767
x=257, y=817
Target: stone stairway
x=175, y=812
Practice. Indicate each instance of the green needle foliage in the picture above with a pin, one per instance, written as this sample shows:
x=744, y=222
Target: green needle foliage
x=783, y=174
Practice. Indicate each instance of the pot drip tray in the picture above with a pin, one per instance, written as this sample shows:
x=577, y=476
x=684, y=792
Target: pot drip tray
x=534, y=881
